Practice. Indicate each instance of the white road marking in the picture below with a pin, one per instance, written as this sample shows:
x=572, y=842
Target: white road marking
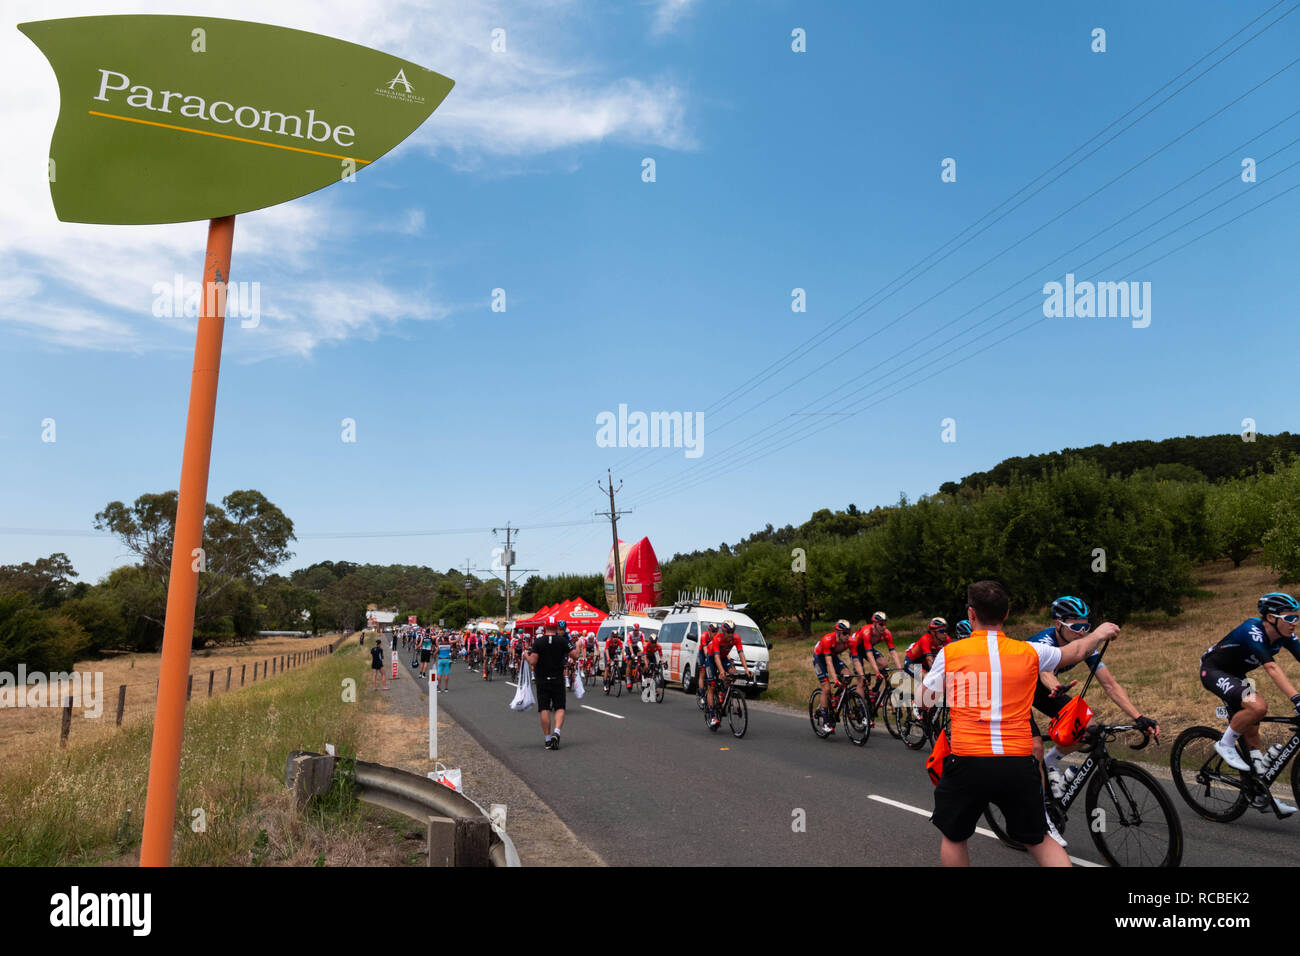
x=980, y=830
x=599, y=711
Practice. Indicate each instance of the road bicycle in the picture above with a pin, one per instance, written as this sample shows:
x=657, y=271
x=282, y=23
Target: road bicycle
x=847, y=707
x=733, y=706
x=614, y=677
x=1219, y=792
x=1130, y=817
x=655, y=675
x=877, y=698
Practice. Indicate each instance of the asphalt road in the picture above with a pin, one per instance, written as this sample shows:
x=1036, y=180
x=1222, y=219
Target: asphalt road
x=649, y=784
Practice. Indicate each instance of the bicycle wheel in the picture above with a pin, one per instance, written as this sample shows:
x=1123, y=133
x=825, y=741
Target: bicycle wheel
x=659, y=688
x=912, y=728
x=1210, y=787
x=1132, y=820
x=857, y=721
x=814, y=705
x=993, y=817
x=892, y=716
x=737, y=713
x=618, y=685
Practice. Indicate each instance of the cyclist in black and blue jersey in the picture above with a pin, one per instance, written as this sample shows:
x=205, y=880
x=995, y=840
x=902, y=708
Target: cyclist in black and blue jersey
x=1070, y=623
x=1252, y=643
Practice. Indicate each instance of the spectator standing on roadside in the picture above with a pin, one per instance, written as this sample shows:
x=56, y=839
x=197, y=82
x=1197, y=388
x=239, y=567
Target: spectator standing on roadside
x=547, y=658
x=988, y=681
x=444, y=663
x=377, y=665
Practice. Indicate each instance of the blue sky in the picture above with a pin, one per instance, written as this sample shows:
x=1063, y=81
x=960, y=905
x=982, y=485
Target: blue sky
x=775, y=170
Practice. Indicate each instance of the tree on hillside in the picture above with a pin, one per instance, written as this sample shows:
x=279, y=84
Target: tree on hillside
x=46, y=580
x=243, y=540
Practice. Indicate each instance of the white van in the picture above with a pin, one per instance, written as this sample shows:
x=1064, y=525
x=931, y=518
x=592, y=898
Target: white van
x=621, y=624
x=679, y=636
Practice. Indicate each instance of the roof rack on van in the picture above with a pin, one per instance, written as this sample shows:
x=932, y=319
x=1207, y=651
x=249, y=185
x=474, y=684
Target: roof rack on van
x=702, y=598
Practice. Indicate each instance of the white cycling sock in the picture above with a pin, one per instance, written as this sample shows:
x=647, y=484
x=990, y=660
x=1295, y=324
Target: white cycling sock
x=1052, y=758
x=1230, y=737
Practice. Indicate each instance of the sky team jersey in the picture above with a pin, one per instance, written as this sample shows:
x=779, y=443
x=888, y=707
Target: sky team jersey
x=863, y=639
x=1245, y=648
x=1047, y=637
x=831, y=643
x=988, y=682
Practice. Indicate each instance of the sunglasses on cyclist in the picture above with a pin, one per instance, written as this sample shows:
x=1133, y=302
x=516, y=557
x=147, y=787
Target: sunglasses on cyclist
x=1078, y=628
x=1289, y=618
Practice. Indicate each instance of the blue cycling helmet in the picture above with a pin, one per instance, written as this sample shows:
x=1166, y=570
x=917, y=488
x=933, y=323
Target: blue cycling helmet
x=1069, y=606
x=963, y=629
x=1278, y=603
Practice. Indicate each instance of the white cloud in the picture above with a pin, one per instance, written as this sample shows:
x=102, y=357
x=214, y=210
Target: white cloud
x=667, y=13
x=90, y=286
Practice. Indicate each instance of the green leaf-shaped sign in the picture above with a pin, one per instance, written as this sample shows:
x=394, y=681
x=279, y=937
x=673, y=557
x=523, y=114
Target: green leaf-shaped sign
x=173, y=118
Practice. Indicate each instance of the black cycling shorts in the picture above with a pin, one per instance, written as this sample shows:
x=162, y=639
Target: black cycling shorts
x=1227, y=687
x=550, y=693
x=424, y=656
x=970, y=784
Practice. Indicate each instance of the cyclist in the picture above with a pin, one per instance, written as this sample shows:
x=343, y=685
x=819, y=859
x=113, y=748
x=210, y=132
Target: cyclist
x=1070, y=623
x=650, y=651
x=613, y=650
x=1253, y=643
x=720, y=663
x=826, y=656
x=702, y=658
x=862, y=647
x=633, y=651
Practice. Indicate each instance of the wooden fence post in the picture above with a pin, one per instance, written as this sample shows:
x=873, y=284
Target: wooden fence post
x=67, y=722
x=189, y=687
x=211, y=677
x=121, y=703
x=473, y=837
x=228, y=670
x=242, y=667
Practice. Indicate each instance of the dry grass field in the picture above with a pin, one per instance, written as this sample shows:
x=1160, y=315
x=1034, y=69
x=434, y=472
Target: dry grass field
x=25, y=731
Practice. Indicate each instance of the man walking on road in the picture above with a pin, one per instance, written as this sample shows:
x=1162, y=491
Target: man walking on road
x=547, y=658
x=988, y=681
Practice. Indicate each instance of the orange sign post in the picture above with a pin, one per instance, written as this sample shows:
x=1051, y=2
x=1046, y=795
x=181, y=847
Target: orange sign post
x=187, y=553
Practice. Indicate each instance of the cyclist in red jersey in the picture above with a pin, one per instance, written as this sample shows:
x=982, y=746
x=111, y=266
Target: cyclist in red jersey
x=826, y=657
x=861, y=648
x=613, y=648
x=720, y=663
x=649, y=650
x=633, y=652
x=922, y=652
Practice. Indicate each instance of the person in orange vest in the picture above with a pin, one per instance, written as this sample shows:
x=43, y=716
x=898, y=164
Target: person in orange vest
x=988, y=682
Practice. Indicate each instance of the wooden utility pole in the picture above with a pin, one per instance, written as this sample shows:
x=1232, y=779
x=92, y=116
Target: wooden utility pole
x=612, y=514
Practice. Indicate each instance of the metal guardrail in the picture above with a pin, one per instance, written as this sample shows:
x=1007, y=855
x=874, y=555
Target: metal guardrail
x=418, y=798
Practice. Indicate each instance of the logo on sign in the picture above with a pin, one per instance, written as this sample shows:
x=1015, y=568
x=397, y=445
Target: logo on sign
x=405, y=95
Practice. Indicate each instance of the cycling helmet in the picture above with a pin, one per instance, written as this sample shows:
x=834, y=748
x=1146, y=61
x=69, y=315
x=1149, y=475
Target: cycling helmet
x=561, y=625
x=636, y=625
x=880, y=616
x=1278, y=603
x=843, y=626
x=963, y=629
x=713, y=625
x=729, y=627
x=937, y=622
x=1069, y=606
